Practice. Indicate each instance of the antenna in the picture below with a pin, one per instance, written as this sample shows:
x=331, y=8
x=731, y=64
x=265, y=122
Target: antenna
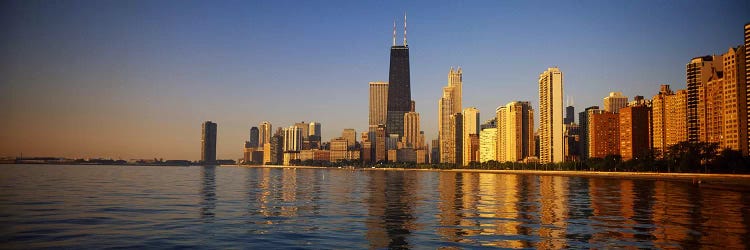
x=404, y=28
x=394, y=32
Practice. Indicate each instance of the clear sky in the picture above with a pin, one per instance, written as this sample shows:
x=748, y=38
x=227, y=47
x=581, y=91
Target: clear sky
x=135, y=79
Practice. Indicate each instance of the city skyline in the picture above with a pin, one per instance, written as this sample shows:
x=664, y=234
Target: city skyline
x=155, y=120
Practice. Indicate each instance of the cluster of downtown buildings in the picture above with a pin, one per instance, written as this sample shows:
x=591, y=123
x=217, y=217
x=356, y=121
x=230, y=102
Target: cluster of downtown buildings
x=712, y=109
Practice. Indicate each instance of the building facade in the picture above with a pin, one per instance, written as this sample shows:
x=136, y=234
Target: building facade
x=488, y=145
x=412, y=134
x=551, y=137
x=378, y=103
x=470, y=127
x=515, y=128
x=399, y=87
x=265, y=131
x=208, y=142
x=635, y=134
x=615, y=101
x=604, y=134
x=254, y=137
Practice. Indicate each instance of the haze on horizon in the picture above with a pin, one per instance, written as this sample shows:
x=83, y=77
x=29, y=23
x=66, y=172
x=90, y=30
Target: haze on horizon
x=135, y=79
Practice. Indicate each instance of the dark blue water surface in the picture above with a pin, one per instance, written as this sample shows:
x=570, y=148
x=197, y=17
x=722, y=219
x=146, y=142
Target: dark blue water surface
x=230, y=207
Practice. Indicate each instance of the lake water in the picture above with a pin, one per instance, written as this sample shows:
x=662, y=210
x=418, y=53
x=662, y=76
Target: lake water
x=227, y=207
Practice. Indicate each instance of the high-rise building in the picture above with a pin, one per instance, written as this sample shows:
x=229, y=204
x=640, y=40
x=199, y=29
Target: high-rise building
x=380, y=141
x=583, y=122
x=473, y=145
x=276, y=147
x=677, y=121
x=551, y=130
x=488, y=145
x=448, y=105
x=378, y=103
x=411, y=137
x=293, y=139
x=734, y=120
x=350, y=135
x=265, y=132
x=570, y=113
x=253, y=143
x=315, y=130
x=573, y=140
x=515, y=131
x=470, y=127
x=456, y=129
x=208, y=142
x=604, y=133
x=615, y=101
x=698, y=72
x=435, y=151
x=399, y=86
x=635, y=139
x=710, y=108
x=304, y=130
x=659, y=118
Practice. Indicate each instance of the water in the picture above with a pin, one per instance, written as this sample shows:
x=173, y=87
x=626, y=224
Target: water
x=227, y=207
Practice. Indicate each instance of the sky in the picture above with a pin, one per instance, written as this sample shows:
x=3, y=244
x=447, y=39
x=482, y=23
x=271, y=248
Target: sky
x=135, y=79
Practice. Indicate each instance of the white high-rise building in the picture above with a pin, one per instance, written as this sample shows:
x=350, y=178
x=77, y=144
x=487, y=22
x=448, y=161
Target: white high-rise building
x=615, y=101
x=551, y=128
x=488, y=145
x=265, y=131
x=292, y=139
x=470, y=126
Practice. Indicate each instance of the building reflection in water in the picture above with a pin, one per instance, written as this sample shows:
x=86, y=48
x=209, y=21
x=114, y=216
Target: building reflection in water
x=208, y=193
x=391, y=205
x=554, y=211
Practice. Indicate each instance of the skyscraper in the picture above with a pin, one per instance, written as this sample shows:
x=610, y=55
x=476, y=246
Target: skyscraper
x=604, y=134
x=570, y=113
x=734, y=120
x=551, y=137
x=378, y=103
x=698, y=72
x=380, y=138
x=265, y=132
x=253, y=143
x=470, y=127
x=448, y=105
x=315, y=130
x=635, y=139
x=399, y=85
x=659, y=118
x=677, y=121
x=515, y=132
x=583, y=122
x=614, y=102
x=411, y=131
x=208, y=143
x=305, y=130
x=456, y=129
x=350, y=135
x=488, y=145
x=292, y=139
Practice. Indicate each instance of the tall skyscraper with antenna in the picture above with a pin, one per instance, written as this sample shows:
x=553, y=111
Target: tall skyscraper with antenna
x=399, y=85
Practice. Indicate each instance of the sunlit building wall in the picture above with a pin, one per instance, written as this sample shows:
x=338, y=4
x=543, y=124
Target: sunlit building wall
x=551, y=137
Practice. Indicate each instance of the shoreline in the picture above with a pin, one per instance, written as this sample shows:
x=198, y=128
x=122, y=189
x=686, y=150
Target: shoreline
x=699, y=178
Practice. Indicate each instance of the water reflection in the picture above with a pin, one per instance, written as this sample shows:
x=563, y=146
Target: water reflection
x=321, y=208
x=208, y=193
x=391, y=207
